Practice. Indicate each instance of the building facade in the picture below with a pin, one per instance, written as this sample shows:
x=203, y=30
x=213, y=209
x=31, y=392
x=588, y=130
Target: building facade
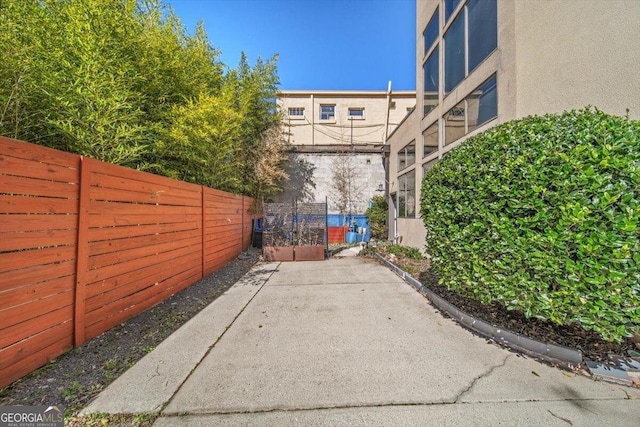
x=341, y=133
x=480, y=63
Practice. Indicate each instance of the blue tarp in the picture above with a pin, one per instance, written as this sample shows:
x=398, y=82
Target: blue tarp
x=355, y=222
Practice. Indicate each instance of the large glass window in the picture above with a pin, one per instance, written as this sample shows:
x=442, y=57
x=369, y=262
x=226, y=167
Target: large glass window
x=472, y=36
x=327, y=112
x=482, y=30
x=430, y=33
x=407, y=155
x=454, y=69
x=407, y=195
x=449, y=7
x=482, y=104
x=430, y=140
x=431, y=81
x=454, y=124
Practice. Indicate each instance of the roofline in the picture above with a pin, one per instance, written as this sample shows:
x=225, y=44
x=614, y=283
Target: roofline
x=407, y=117
x=346, y=92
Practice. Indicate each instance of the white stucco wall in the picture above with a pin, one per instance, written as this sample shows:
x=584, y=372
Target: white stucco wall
x=368, y=173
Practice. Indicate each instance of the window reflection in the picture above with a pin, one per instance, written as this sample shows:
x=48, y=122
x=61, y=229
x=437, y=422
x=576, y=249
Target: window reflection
x=428, y=166
x=407, y=195
x=454, y=54
x=482, y=30
x=430, y=140
x=454, y=122
x=431, y=81
x=449, y=7
x=430, y=33
x=407, y=155
x=472, y=36
x=482, y=104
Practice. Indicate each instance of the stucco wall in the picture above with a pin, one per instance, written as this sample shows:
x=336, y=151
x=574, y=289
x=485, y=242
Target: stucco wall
x=573, y=53
x=411, y=232
x=368, y=174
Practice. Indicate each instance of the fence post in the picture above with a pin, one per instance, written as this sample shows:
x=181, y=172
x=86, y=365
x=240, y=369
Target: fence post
x=202, y=221
x=82, y=254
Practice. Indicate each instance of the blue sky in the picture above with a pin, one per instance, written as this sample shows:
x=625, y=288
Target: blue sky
x=322, y=44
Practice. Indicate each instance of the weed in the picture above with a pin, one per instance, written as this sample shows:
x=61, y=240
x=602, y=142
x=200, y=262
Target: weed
x=404, y=251
x=74, y=389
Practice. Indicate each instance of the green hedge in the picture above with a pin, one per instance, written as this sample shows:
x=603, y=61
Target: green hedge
x=543, y=215
x=377, y=217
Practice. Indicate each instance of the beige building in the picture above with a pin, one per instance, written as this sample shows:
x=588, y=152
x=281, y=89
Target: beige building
x=342, y=129
x=343, y=117
x=480, y=63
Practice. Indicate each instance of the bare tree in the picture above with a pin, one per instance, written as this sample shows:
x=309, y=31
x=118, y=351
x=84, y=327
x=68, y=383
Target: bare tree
x=348, y=188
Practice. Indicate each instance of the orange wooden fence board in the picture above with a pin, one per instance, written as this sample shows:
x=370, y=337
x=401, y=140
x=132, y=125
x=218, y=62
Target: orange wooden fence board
x=85, y=245
x=38, y=231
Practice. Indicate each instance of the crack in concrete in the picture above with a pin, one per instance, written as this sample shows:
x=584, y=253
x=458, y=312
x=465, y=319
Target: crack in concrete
x=363, y=406
x=479, y=377
x=568, y=421
x=317, y=408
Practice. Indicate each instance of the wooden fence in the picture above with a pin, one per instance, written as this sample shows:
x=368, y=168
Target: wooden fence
x=86, y=245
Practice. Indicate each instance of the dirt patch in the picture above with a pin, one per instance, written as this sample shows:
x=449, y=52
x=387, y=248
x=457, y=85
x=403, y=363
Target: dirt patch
x=75, y=377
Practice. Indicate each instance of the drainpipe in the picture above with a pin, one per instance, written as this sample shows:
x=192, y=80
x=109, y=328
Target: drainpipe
x=313, y=120
x=386, y=127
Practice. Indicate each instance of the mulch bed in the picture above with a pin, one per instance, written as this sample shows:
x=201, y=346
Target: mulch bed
x=593, y=347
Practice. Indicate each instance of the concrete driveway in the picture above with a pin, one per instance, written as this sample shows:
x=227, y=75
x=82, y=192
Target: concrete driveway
x=347, y=342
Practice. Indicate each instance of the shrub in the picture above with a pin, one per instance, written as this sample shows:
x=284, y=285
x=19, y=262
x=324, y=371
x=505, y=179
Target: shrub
x=404, y=251
x=542, y=215
x=377, y=217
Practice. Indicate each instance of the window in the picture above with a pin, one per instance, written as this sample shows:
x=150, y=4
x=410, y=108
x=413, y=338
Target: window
x=472, y=36
x=482, y=30
x=480, y=106
x=430, y=140
x=296, y=113
x=430, y=33
x=449, y=7
x=431, y=81
x=454, y=124
x=356, y=113
x=407, y=195
x=407, y=155
x=428, y=166
x=327, y=112
x=454, y=54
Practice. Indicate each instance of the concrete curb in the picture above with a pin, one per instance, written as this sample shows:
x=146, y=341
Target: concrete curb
x=625, y=371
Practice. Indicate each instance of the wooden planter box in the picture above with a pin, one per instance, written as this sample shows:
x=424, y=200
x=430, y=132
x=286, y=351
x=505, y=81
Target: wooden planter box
x=309, y=253
x=277, y=253
x=291, y=253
